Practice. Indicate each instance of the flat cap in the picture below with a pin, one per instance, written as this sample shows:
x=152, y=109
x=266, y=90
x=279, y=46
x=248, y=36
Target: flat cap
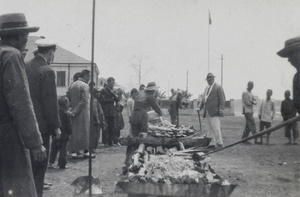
x=45, y=43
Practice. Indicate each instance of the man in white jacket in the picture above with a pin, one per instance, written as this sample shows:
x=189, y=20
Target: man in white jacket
x=266, y=113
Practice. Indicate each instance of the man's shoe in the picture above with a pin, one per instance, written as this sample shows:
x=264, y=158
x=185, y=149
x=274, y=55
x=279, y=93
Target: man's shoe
x=74, y=156
x=219, y=146
x=63, y=167
x=258, y=142
x=46, y=187
x=211, y=146
x=50, y=166
x=45, y=183
x=87, y=155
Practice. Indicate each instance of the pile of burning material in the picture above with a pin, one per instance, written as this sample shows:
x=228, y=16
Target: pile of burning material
x=163, y=175
x=172, y=170
x=166, y=129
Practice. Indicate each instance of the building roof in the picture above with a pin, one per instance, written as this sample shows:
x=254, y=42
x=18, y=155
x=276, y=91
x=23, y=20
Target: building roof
x=61, y=55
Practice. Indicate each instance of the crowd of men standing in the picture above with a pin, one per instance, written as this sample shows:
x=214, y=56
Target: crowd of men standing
x=30, y=114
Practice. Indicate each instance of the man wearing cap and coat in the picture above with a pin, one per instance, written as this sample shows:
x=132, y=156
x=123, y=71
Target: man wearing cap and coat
x=42, y=87
x=18, y=125
x=291, y=51
x=213, y=102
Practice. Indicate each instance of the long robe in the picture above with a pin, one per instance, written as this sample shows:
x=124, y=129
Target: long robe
x=80, y=106
x=18, y=126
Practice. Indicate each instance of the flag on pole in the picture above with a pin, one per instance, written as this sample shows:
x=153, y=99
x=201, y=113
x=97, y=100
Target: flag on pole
x=209, y=20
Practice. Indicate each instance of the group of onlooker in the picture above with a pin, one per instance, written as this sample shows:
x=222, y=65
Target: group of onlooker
x=30, y=111
x=266, y=114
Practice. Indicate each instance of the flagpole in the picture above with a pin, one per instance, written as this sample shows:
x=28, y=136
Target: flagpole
x=208, y=44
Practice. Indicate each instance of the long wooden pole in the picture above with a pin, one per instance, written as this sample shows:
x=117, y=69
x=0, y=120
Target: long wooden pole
x=269, y=130
x=91, y=102
x=208, y=48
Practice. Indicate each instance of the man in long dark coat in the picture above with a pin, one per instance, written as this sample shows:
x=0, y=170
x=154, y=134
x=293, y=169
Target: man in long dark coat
x=175, y=103
x=18, y=126
x=108, y=100
x=42, y=85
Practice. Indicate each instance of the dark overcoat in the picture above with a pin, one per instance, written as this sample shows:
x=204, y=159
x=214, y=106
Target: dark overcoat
x=42, y=86
x=18, y=126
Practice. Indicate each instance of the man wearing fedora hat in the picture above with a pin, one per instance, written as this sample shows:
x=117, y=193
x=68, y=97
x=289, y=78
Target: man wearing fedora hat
x=42, y=86
x=213, y=102
x=18, y=125
x=291, y=51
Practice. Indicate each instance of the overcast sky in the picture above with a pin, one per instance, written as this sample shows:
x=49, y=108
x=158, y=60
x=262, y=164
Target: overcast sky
x=171, y=38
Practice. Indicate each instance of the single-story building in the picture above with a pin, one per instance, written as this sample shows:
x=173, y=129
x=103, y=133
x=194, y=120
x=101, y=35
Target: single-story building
x=65, y=65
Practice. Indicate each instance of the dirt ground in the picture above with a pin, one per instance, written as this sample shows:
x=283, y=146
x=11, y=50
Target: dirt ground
x=255, y=169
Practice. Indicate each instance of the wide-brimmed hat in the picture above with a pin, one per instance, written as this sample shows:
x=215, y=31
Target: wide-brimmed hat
x=209, y=76
x=151, y=86
x=15, y=23
x=290, y=46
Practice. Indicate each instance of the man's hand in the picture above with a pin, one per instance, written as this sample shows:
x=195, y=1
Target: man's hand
x=160, y=117
x=57, y=133
x=70, y=114
x=254, y=102
x=221, y=113
x=39, y=153
x=98, y=122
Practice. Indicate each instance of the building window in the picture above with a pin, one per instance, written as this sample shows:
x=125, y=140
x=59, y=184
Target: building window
x=61, y=78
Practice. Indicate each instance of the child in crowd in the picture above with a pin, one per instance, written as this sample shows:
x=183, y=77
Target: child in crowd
x=266, y=114
x=288, y=111
x=60, y=145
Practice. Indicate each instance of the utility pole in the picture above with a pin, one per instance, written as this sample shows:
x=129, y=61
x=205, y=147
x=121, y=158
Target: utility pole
x=222, y=69
x=208, y=41
x=187, y=81
x=169, y=88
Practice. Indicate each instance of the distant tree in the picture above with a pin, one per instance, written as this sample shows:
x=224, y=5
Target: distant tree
x=139, y=68
x=185, y=94
x=160, y=94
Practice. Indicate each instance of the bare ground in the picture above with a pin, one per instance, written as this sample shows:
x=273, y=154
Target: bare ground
x=255, y=169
